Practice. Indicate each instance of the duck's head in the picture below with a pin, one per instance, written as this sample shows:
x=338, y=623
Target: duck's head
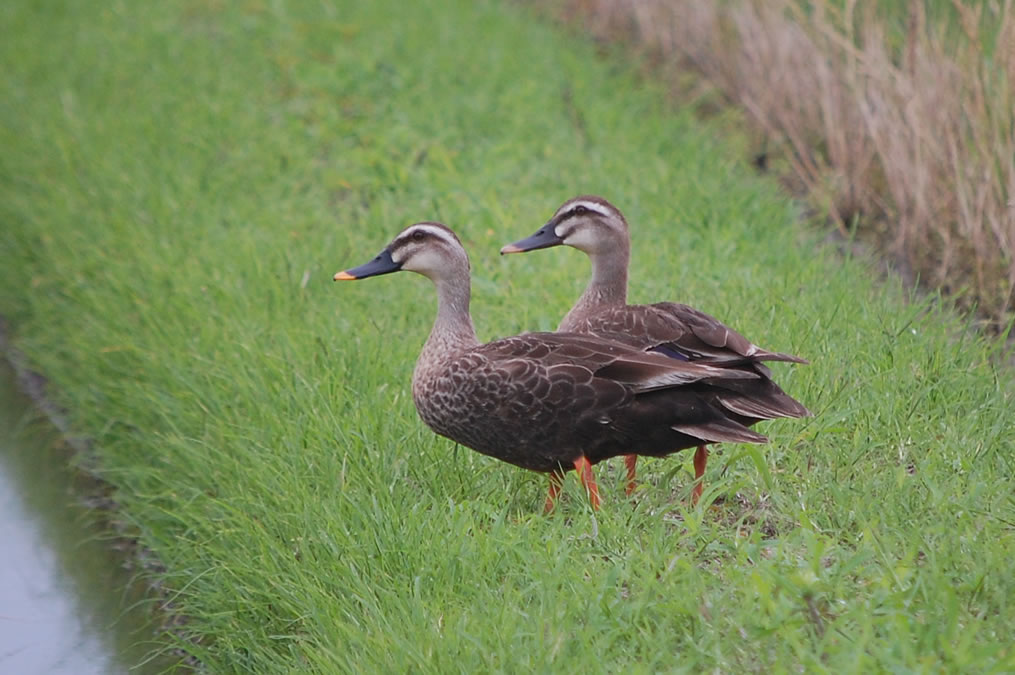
x=587, y=223
x=430, y=249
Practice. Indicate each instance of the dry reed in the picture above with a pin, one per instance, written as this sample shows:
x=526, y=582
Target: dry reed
x=916, y=141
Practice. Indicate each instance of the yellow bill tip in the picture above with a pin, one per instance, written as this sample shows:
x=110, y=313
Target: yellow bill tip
x=511, y=248
x=344, y=276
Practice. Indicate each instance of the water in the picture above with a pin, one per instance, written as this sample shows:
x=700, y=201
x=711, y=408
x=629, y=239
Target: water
x=67, y=604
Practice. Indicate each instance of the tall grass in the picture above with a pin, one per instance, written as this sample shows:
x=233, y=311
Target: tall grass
x=910, y=129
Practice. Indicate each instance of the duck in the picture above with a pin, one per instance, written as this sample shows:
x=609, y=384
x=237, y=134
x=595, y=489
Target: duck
x=596, y=227
x=550, y=401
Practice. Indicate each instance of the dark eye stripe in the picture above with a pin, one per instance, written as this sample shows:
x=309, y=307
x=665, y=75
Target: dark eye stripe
x=427, y=232
x=581, y=210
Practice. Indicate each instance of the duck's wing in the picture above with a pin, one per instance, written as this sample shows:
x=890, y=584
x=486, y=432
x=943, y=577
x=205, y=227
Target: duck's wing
x=760, y=399
x=715, y=334
x=608, y=397
x=543, y=400
x=680, y=332
x=609, y=360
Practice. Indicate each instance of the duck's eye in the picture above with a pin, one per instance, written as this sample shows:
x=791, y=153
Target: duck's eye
x=418, y=235
x=580, y=210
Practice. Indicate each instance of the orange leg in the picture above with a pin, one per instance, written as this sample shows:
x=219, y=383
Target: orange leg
x=588, y=480
x=700, y=460
x=556, y=482
x=631, y=462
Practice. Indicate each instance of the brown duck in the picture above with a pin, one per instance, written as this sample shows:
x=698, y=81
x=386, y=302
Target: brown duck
x=550, y=401
x=595, y=226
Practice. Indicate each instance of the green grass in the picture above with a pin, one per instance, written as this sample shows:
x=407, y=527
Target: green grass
x=180, y=180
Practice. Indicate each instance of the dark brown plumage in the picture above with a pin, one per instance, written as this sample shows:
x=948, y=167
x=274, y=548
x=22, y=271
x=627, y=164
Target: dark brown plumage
x=542, y=400
x=680, y=332
x=551, y=401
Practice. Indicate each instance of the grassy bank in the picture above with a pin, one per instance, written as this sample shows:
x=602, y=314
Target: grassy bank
x=180, y=181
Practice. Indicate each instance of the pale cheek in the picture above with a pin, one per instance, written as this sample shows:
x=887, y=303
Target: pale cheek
x=425, y=263
x=581, y=240
x=417, y=266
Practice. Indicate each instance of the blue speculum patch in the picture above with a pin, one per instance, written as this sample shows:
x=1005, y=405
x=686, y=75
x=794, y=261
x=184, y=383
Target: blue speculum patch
x=670, y=352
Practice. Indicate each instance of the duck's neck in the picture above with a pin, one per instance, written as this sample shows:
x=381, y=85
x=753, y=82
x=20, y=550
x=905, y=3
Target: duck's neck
x=607, y=288
x=452, y=329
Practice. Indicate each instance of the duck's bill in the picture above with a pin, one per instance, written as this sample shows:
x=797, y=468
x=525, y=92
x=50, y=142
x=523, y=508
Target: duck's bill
x=544, y=238
x=382, y=264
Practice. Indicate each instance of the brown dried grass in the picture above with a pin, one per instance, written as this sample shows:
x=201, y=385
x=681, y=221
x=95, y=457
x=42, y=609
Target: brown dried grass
x=917, y=140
